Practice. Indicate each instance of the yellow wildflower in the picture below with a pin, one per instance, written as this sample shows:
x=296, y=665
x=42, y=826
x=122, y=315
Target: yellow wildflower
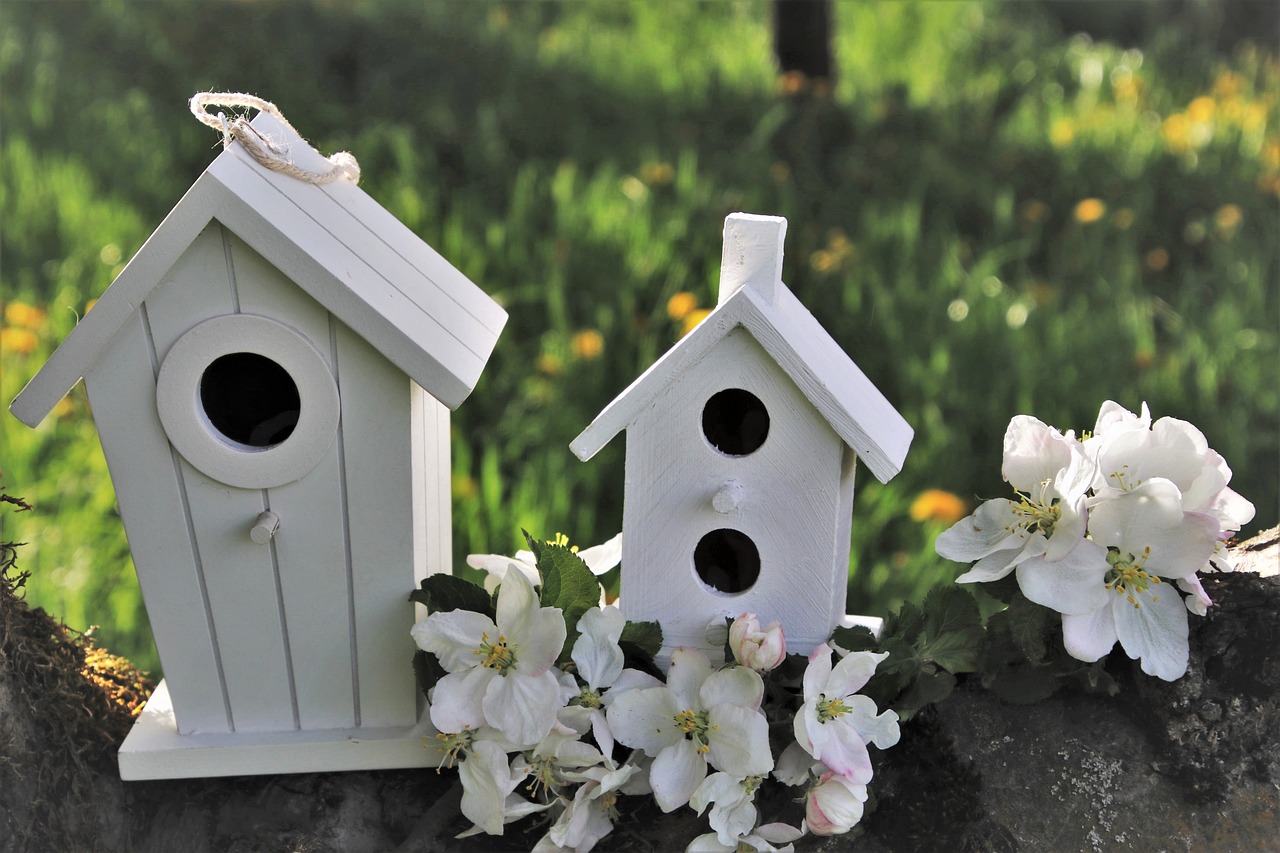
x=1228, y=217
x=1201, y=109
x=462, y=486
x=657, y=173
x=1157, y=259
x=681, y=305
x=692, y=319
x=1090, y=210
x=824, y=260
x=1176, y=131
x=1062, y=132
x=24, y=315
x=587, y=344
x=21, y=341
x=938, y=505
x=549, y=364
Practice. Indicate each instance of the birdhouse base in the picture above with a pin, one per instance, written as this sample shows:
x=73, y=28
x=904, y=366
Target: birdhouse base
x=715, y=651
x=155, y=750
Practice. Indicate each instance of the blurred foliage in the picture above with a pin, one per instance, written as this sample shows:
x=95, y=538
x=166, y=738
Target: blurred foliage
x=992, y=215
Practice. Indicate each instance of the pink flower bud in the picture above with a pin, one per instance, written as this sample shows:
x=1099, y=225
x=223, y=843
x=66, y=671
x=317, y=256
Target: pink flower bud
x=754, y=647
x=834, y=805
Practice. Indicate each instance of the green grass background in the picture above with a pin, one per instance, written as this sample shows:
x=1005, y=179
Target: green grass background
x=577, y=160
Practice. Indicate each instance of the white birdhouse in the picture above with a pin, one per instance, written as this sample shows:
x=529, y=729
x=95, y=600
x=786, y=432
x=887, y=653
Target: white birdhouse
x=271, y=377
x=741, y=443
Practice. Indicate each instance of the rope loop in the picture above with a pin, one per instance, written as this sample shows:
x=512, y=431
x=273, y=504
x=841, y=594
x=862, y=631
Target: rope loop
x=269, y=153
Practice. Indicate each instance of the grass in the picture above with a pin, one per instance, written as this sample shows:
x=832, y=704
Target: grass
x=991, y=215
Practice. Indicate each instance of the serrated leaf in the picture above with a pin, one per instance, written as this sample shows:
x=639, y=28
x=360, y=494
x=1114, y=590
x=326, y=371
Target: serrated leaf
x=1029, y=625
x=646, y=637
x=956, y=651
x=567, y=583
x=855, y=639
x=906, y=623
x=1002, y=589
x=442, y=593
x=927, y=689
x=426, y=670
x=949, y=608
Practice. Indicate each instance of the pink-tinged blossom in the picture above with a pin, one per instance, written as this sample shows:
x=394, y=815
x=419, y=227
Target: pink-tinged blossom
x=761, y=649
x=834, y=725
x=833, y=805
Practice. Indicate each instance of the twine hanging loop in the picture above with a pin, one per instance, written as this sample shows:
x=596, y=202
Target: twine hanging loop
x=271, y=154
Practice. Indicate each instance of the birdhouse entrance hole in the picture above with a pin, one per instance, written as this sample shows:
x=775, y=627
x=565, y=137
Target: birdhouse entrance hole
x=727, y=560
x=250, y=399
x=735, y=422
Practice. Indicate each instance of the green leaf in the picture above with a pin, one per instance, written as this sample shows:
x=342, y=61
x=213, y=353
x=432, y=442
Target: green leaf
x=927, y=689
x=567, y=583
x=952, y=634
x=644, y=636
x=906, y=623
x=1003, y=589
x=855, y=639
x=949, y=608
x=956, y=651
x=426, y=670
x=442, y=593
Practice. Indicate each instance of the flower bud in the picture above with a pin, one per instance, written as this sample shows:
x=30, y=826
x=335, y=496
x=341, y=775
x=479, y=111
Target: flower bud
x=754, y=647
x=834, y=805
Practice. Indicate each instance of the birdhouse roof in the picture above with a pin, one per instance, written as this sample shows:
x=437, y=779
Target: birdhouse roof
x=335, y=243
x=759, y=302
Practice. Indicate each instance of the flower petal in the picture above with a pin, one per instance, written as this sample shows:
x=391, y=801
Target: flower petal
x=676, y=773
x=1089, y=636
x=852, y=673
x=818, y=672
x=1154, y=632
x=836, y=743
x=603, y=557
x=453, y=637
x=874, y=727
x=992, y=527
x=736, y=685
x=739, y=741
x=1075, y=584
x=596, y=650
x=1033, y=453
x=522, y=707
x=645, y=719
x=457, y=699
x=689, y=668
x=486, y=782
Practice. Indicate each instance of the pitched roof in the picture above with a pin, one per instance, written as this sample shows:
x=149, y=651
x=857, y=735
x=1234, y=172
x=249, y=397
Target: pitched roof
x=336, y=243
x=794, y=339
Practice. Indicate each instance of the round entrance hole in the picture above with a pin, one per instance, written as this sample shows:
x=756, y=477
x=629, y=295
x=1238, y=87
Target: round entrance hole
x=250, y=399
x=735, y=422
x=727, y=560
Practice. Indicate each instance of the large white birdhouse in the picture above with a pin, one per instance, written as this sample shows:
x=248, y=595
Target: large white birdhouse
x=741, y=444
x=271, y=377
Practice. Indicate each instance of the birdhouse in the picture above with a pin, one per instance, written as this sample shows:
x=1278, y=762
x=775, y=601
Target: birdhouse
x=271, y=378
x=741, y=444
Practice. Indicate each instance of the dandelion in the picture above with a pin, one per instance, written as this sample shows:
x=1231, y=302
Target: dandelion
x=24, y=315
x=1176, y=131
x=823, y=260
x=1090, y=210
x=1228, y=217
x=938, y=505
x=1156, y=260
x=21, y=341
x=681, y=305
x=1201, y=109
x=587, y=344
x=1062, y=133
x=692, y=319
x=549, y=364
x=657, y=173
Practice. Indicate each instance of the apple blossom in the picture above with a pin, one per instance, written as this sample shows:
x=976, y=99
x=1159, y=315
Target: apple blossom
x=1051, y=475
x=698, y=717
x=834, y=725
x=589, y=816
x=764, y=839
x=500, y=673
x=599, y=559
x=488, y=783
x=833, y=805
x=732, y=801
x=761, y=649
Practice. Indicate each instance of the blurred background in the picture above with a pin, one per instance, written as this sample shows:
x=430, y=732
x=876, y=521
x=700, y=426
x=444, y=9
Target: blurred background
x=996, y=208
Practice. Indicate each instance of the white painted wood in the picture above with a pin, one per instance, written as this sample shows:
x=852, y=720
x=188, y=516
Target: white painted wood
x=830, y=381
x=153, y=504
x=790, y=499
x=751, y=255
x=264, y=527
x=433, y=533
x=311, y=550
x=377, y=444
x=228, y=461
x=729, y=497
x=155, y=750
x=397, y=316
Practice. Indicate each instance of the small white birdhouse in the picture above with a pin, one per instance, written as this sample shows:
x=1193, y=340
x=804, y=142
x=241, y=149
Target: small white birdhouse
x=271, y=377
x=741, y=443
